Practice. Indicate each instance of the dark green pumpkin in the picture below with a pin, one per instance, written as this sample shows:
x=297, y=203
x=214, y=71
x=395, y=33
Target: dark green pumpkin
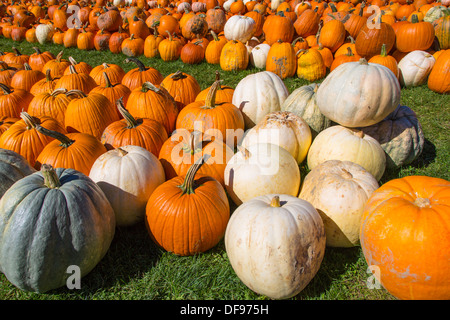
x=50, y=220
x=13, y=167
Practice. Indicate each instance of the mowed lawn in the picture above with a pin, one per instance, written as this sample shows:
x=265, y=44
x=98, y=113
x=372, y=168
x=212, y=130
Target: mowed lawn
x=135, y=268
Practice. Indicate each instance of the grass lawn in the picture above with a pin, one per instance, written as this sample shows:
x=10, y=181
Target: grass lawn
x=134, y=268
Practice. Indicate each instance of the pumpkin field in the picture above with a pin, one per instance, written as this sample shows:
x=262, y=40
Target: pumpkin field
x=224, y=150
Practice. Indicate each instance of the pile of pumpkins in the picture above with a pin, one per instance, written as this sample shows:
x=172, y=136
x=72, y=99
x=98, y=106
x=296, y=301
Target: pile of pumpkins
x=85, y=149
x=291, y=38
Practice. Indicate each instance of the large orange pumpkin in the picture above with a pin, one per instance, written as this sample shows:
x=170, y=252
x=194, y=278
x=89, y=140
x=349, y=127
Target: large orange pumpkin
x=405, y=237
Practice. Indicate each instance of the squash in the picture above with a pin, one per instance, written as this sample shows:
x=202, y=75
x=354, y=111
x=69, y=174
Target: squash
x=439, y=79
x=275, y=243
x=358, y=94
x=258, y=94
x=51, y=220
x=239, y=27
x=128, y=175
x=13, y=167
x=415, y=68
x=346, y=144
x=400, y=135
x=188, y=214
x=405, y=233
x=285, y=129
x=339, y=190
x=262, y=168
x=258, y=55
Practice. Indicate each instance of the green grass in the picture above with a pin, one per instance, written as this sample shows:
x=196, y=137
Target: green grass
x=134, y=268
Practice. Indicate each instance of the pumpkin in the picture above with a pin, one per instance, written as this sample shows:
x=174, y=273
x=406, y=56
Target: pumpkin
x=170, y=48
x=56, y=66
x=23, y=137
x=127, y=175
x=258, y=94
x=302, y=102
x=38, y=59
x=270, y=253
x=114, y=72
x=192, y=53
x=113, y=91
x=188, y=214
x=6, y=122
x=415, y=68
x=26, y=78
x=339, y=191
x=79, y=66
x=258, y=55
x=47, y=84
x=44, y=33
x=347, y=144
x=307, y=23
x=442, y=31
x=278, y=27
x=281, y=59
x=89, y=113
x=77, y=151
x=214, y=48
x=70, y=38
x=285, y=129
x=439, y=79
x=240, y=28
x=417, y=35
x=376, y=95
x=13, y=167
x=101, y=40
x=151, y=45
x=6, y=73
x=386, y=60
x=370, y=39
x=234, y=56
x=13, y=101
x=133, y=46
x=332, y=35
x=400, y=135
x=116, y=39
x=404, y=231
x=153, y=102
x=51, y=104
x=262, y=168
x=51, y=220
x=344, y=58
x=214, y=120
x=182, y=86
x=310, y=65
x=224, y=93
x=146, y=133
x=135, y=77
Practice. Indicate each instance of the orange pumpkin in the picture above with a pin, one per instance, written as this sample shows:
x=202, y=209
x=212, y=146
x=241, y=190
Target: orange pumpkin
x=405, y=232
x=439, y=77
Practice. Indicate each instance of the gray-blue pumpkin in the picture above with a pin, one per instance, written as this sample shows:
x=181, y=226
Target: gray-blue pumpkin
x=49, y=221
x=13, y=167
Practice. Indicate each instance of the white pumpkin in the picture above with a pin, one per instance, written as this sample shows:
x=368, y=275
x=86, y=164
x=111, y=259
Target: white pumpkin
x=400, y=135
x=227, y=4
x=128, y=176
x=346, y=144
x=240, y=28
x=258, y=55
x=260, y=169
x=358, y=94
x=302, y=102
x=285, y=129
x=259, y=94
x=274, y=4
x=275, y=244
x=44, y=33
x=415, y=67
x=339, y=191
x=437, y=12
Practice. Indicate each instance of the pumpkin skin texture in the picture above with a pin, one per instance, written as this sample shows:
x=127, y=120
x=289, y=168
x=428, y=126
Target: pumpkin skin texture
x=358, y=94
x=292, y=133
x=302, y=102
x=262, y=168
x=439, y=79
x=13, y=167
x=188, y=214
x=339, y=190
x=400, y=135
x=346, y=144
x=259, y=94
x=128, y=175
x=275, y=246
x=72, y=224
x=415, y=68
x=404, y=232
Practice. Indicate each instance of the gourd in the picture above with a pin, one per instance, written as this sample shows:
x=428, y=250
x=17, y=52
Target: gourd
x=275, y=244
x=405, y=233
x=339, y=190
x=128, y=175
x=262, y=168
x=51, y=220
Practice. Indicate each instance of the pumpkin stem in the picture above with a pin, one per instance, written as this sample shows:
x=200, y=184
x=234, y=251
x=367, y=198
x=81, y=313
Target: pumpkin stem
x=51, y=179
x=383, y=50
x=58, y=91
x=140, y=65
x=346, y=174
x=38, y=51
x=150, y=86
x=59, y=56
x=29, y=120
x=5, y=89
x=188, y=185
x=65, y=140
x=210, y=100
x=80, y=94
x=131, y=121
x=27, y=67
x=178, y=75
x=72, y=61
x=275, y=203
x=122, y=152
x=422, y=202
x=244, y=152
x=108, y=83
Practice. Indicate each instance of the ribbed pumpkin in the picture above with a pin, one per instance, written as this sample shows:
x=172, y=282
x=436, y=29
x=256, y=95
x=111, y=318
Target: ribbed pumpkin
x=417, y=35
x=153, y=102
x=23, y=137
x=234, y=56
x=114, y=71
x=224, y=93
x=195, y=207
x=6, y=73
x=214, y=48
x=182, y=86
x=56, y=66
x=442, y=31
x=350, y=56
x=79, y=66
x=6, y=122
x=369, y=41
x=51, y=104
x=310, y=65
x=170, y=49
x=216, y=120
x=113, y=91
x=281, y=59
x=13, y=101
x=51, y=220
x=278, y=27
x=404, y=232
x=72, y=150
x=439, y=78
x=26, y=78
x=76, y=81
x=386, y=60
x=13, y=167
x=47, y=84
x=89, y=113
x=332, y=35
x=146, y=133
x=38, y=59
x=134, y=78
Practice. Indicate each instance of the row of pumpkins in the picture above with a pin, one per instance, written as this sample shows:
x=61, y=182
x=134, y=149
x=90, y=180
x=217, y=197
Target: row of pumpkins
x=290, y=38
x=93, y=148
